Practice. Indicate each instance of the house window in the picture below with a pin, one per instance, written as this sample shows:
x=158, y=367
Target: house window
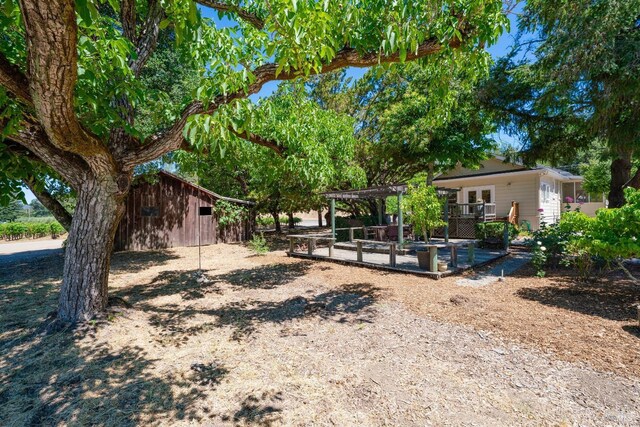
x=205, y=211
x=596, y=198
x=568, y=194
x=581, y=195
x=150, y=211
x=577, y=194
x=546, y=192
x=479, y=194
x=452, y=197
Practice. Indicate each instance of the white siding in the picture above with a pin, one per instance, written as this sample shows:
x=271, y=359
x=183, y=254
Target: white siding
x=522, y=188
x=549, y=196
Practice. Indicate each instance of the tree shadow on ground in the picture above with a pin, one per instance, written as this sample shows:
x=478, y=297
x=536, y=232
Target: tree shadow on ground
x=131, y=262
x=54, y=379
x=611, y=298
x=187, y=283
x=27, y=294
x=265, y=276
x=633, y=330
x=349, y=303
x=259, y=411
x=67, y=378
x=191, y=284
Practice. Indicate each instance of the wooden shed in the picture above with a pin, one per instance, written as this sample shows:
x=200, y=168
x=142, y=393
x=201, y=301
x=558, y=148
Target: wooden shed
x=174, y=212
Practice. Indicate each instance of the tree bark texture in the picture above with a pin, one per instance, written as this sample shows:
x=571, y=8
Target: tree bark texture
x=620, y=178
x=88, y=253
x=292, y=222
x=276, y=221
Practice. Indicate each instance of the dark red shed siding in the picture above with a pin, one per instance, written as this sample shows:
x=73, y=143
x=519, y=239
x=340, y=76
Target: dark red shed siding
x=170, y=208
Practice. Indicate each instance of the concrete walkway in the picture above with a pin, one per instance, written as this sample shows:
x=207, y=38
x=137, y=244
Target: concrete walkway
x=506, y=267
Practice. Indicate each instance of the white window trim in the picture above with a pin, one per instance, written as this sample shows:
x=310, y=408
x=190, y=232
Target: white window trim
x=478, y=189
x=545, y=192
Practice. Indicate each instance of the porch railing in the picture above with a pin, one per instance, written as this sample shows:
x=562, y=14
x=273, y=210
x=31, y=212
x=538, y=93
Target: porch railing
x=478, y=211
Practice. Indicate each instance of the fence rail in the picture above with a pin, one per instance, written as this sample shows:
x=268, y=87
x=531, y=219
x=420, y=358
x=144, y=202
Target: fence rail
x=478, y=211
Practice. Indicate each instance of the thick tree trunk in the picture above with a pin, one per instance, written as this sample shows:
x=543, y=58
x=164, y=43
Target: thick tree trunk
x=635, y=180
x=430, y=174
x=88, y=253
x=292, y=223
x=319, y=217
x=276, y=220
x=620, y=177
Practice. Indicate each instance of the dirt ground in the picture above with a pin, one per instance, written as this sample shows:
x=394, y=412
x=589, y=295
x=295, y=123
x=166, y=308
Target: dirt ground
x=272, y=340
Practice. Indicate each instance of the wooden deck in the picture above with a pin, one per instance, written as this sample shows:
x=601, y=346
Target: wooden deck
x=408, y=248
x=406, y=263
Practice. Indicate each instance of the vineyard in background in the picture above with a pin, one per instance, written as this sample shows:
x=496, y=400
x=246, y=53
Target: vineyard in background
x=30, y=229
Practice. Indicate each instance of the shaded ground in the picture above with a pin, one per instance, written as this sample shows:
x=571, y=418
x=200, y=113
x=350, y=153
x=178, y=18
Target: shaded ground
x=279, y=341
x=25, y=250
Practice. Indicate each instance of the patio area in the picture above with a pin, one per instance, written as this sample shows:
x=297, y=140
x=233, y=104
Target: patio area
x=379, y=255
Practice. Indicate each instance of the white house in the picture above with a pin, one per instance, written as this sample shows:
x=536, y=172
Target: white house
x=540, y=191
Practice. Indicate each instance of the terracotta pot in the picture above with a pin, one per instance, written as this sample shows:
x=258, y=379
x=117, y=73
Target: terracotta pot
x=423, y=259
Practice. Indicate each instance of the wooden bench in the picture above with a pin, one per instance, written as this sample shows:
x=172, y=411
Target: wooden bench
x=393, y=249
x=311, y=242
x=453, y=248
x=352, y=230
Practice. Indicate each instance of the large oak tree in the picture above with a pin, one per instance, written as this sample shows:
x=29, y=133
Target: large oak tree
x=70, y=87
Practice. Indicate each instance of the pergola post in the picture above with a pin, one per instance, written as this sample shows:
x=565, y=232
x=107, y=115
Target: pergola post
x=333, y=218
x=380, y=212
x=400, y=224
x=446, y=221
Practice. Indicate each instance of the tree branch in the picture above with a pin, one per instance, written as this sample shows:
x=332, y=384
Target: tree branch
x=245, y=15
x=52, y=64
x=34, y=140
x=634, y=181
x=169, y=140
x=48, y=201
x=259, y=140
x=128, y=19
x=146, y=42
x=14, y=81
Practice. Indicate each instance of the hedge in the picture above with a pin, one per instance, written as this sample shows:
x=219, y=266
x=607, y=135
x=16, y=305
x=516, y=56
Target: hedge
x=491, y=233
x=32, y=230
x=266, y=221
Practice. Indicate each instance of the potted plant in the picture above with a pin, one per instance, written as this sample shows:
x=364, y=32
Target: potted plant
x=424, y=211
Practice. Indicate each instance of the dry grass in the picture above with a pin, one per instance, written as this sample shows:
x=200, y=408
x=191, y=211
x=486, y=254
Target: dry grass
x=272, y=340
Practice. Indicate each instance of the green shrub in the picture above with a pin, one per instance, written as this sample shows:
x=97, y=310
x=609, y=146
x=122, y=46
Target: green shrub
x=35, y=219
x=17, y=230
x=258, y=244
x=491, y=232
x=581, y=241
x=424, y=209
x=56, y=229
x=267, y=220
x=34, y=230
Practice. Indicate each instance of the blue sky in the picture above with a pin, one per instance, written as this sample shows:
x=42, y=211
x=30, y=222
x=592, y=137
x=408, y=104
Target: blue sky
x=497, y=50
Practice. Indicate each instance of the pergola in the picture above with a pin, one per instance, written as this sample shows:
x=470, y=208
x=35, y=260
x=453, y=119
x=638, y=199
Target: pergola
x=380, y=192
